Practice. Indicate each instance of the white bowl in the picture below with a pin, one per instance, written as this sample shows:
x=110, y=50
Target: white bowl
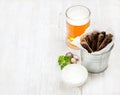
x=74, y=75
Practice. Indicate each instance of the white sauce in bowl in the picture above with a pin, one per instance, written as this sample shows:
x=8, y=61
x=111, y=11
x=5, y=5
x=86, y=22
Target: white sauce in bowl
x=74, y=75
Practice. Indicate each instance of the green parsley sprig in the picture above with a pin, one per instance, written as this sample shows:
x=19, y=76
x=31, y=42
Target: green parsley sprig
x=63, y=61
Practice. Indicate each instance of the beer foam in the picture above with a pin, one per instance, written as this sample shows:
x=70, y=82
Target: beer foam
x=78, y=15
x=77, y=23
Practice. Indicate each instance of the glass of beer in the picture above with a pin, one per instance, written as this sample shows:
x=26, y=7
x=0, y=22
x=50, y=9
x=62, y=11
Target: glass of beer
x=77, y=21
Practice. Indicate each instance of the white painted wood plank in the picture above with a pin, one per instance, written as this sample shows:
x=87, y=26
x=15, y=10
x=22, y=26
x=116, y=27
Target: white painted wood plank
x=31, y=41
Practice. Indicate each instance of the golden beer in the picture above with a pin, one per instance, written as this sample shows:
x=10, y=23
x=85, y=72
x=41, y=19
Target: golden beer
x=77, y=21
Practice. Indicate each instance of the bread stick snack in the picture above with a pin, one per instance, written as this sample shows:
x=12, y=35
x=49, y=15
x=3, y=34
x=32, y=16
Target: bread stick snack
x=88, y=40
x=100, y=39
x=94, y=38
x=104, y=33
x=105, y=41
x=95, y=41
x=86, y=46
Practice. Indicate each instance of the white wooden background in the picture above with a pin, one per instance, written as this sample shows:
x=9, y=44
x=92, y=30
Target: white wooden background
x=31, y=41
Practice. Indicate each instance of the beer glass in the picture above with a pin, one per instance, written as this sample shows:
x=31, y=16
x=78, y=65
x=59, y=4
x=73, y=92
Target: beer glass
x=77, y=21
